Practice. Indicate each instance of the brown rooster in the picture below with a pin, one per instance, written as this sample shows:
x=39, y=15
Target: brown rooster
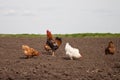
x=51, y=43
x=110, y=49
x=29, y=52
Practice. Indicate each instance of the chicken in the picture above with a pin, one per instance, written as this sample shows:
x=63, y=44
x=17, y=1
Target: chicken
x=73, y=53
x=49, y=35
x=29, y=52
x=110, y=48
x=51, y=43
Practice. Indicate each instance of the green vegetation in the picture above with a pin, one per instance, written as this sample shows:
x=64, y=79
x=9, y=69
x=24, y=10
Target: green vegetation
x=93, y=35
x=65, y=35
x=21, y=35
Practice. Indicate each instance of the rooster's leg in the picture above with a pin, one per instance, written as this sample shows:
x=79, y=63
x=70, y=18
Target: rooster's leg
x=53, y=53
x=71, y=58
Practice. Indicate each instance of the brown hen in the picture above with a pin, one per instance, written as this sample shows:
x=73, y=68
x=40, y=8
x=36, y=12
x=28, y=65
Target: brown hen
x=29, y=52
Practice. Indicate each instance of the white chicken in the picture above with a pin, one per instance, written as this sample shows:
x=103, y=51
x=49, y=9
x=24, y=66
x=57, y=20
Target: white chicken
x=72, y=52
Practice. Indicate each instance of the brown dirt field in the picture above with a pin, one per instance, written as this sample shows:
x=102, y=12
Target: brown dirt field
x=94, y=65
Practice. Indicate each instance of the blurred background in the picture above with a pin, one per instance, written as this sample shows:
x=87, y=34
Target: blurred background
x=59, y=16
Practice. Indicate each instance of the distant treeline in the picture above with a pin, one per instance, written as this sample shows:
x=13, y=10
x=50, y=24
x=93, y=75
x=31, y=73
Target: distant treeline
x=65, y=35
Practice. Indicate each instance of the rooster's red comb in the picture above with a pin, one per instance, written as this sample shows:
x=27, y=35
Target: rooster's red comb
x=47, y=31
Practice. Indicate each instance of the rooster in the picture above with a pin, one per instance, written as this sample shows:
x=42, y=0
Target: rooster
x=51, y=43
x=29, y=52
x=110, y=48
x=73, y=53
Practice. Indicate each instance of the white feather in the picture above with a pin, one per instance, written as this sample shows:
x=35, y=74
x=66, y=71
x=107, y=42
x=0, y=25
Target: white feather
x=72, y=52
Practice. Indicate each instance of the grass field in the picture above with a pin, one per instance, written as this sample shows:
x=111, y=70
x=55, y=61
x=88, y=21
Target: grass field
x=65, y=35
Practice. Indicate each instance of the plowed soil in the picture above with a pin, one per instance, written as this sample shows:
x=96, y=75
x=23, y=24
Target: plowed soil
x=94, y=65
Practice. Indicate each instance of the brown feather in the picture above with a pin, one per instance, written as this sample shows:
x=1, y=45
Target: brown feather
x=29, y=52
x=110, y=48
